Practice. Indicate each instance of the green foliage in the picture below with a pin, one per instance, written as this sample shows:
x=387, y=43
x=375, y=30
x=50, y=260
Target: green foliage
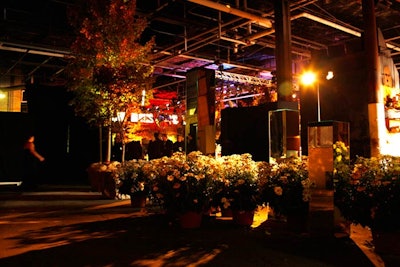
x=182, y=184
x=130, y=177
x=110, y=67
x=369, y=193
x=288, y=187
x=237, y=187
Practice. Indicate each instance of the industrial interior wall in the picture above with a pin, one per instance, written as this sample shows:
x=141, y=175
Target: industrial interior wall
x=343, y=98
x=200, y=93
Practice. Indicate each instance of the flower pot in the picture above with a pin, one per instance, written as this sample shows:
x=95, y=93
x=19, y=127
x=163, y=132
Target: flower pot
x=108, y=189
x=138, y=200
x=95, y=180
x=190, y=219
x=243, y=217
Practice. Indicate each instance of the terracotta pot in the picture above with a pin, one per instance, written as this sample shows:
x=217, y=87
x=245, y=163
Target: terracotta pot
x=102, y=181
x=190, y=219
x=109, y=189
x=138, y=200
x=243, y=217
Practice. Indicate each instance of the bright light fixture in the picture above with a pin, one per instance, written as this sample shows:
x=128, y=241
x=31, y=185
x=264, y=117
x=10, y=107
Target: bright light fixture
x=308, y=78
x=329, y=75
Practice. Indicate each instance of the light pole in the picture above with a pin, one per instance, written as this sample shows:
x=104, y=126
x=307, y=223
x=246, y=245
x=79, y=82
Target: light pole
x=309, y=78
x=319, y=103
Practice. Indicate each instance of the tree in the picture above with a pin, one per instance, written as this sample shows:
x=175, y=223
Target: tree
x=111, y=64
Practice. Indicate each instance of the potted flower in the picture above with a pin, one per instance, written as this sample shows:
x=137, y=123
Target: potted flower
x=101, y=177
x=368, y=194
x=287, y=188
x=182, y=184
x=238, y=186
x=131, y=180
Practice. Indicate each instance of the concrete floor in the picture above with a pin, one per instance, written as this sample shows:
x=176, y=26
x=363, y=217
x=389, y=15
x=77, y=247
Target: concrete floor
x=76, y=227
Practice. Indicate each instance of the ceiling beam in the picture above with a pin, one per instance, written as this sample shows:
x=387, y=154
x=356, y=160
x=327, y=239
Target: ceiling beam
x=227, y=9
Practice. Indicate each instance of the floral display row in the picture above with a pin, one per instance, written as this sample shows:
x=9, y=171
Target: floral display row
x=366, y=190
x=201, y=183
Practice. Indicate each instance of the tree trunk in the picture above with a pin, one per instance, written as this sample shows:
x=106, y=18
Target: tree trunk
x=109, y=134
x=100, y=143
x=123, y=152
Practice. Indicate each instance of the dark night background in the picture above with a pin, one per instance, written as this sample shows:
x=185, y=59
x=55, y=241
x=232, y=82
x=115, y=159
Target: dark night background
x=67, y=143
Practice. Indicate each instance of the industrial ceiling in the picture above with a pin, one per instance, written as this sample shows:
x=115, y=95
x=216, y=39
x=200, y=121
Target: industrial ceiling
x=236, y=36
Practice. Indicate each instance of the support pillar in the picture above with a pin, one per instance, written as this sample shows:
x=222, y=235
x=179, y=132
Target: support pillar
x=283, y=51
x=375, y=101
x=283, y=57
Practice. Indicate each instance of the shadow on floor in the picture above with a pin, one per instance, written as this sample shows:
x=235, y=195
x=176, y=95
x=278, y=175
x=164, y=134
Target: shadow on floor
x=150, y=240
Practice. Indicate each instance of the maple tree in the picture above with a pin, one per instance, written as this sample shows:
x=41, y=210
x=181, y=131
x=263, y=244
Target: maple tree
x=111, y=65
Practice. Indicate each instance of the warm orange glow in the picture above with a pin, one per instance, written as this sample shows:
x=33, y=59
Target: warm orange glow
x=142, y=117
x=308, y=78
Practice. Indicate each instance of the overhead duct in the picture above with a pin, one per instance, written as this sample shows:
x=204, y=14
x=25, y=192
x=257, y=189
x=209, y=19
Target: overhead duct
x=328, y=23
x=393, y=47
x=227, y=9
x=33, y=50
x=337, y=26
x=314, y=18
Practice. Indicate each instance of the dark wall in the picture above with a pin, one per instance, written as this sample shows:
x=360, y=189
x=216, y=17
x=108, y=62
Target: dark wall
x=245, y=130
x=14, y=127
x=344, y=98
x=66, y=142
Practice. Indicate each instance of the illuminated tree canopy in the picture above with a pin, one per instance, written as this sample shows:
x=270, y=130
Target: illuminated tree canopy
x=111, y=64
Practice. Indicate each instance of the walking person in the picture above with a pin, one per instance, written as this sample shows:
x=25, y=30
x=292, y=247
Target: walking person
x=31, y=164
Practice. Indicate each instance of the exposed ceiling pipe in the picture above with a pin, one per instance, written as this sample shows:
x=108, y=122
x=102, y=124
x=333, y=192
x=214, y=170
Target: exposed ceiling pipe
x=199, y=36
x=171, y=83
x=37, y=67
x=227, y=9
x=236, y=65
x=393, y=47
x=314, y=18
x=310, y=44
x=236, y=41
x=355, y=32
x=33, y=50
